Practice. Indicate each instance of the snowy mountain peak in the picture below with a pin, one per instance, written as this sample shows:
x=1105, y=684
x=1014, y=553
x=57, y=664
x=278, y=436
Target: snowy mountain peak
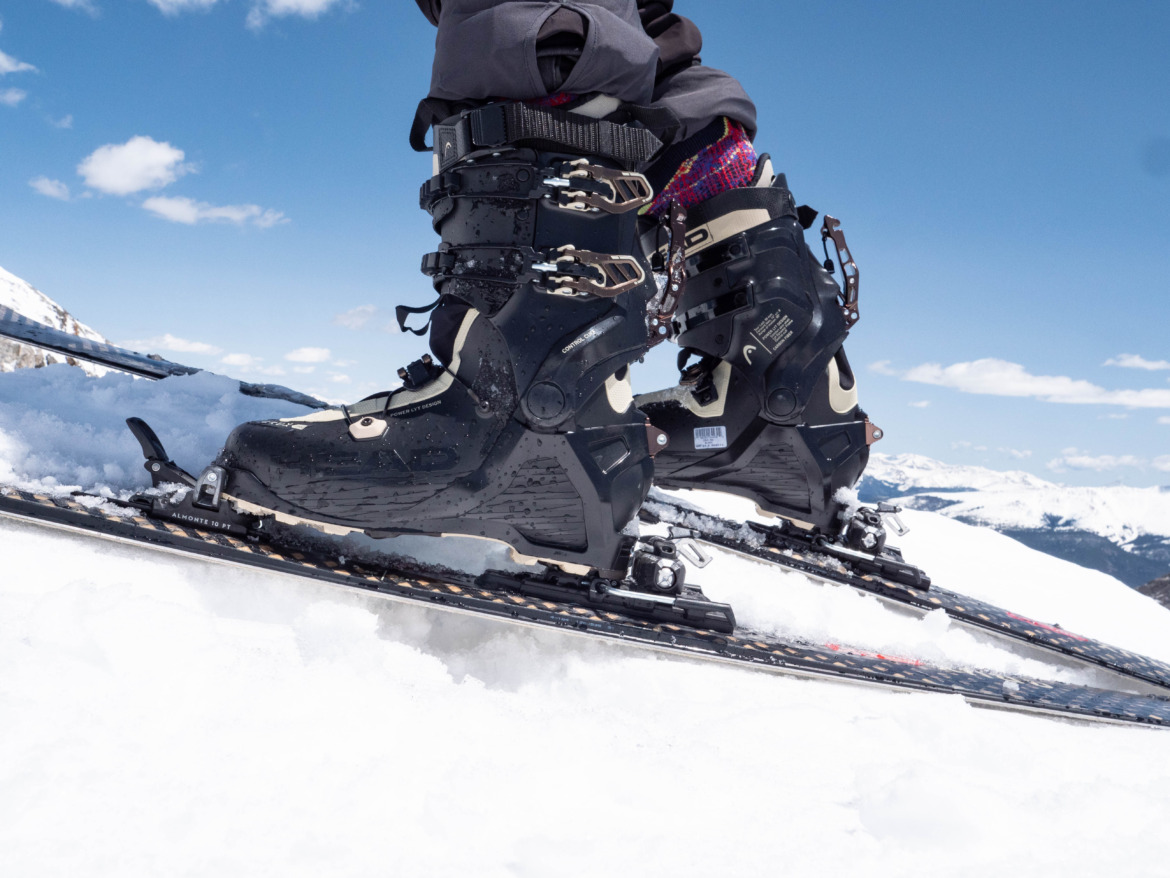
x=914, y=472
x=26, y=300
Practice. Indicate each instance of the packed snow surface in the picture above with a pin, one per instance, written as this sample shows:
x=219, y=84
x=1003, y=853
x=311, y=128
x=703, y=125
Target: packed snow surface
x=161, y=715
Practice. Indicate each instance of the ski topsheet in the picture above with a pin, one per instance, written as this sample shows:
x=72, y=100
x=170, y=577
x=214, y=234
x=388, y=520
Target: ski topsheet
x=492, y=596
x=25, y=331
x=771, y=544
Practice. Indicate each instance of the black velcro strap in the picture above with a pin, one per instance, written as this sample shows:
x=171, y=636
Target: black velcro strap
x=669, y=162
x=511, y=124
x=806, y=216
x=403, y=312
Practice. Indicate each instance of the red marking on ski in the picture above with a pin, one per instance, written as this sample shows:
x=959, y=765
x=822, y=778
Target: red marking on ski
x=861, y=653
x=1055, y=629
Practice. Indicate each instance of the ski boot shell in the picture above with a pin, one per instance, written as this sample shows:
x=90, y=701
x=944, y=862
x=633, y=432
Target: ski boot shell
x=521, y=427
x=770, y=409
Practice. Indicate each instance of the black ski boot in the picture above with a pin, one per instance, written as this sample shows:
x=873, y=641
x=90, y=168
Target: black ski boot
x=520, y=426
x=769, y=411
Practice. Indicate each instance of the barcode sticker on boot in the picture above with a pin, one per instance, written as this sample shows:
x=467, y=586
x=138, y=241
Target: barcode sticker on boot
x=710, y=437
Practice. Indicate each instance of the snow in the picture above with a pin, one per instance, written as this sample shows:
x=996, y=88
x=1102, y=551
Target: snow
x=164, y=715
x=59, y=428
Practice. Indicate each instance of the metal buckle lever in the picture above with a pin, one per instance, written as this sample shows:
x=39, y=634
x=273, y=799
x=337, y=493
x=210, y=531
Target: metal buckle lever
x=612, y=275
x=628, y=190
x=831, y=229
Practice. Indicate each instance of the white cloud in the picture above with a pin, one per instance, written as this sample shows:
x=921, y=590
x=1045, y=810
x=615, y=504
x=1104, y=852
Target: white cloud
x=10, y=97
x=84, y=5
x=253, y=364
x=139, y=163
x=1016, y=453
x=1134, y=361
x=338, y=378
x=168, y=342
x=308, y=355
x=355, y=318
x=1165, y=419
x=963, y=443
x=64, y=122
x=1071, y=458
x=921, y=404
x=51, y=188
x=174, y=7
x=8, y=64
x=883, y=367
x=1001, y=378
x=262, y=10
x=189, y=212
x=1162, y=463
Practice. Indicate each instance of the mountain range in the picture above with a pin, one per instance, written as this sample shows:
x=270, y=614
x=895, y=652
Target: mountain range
x=1118, y=530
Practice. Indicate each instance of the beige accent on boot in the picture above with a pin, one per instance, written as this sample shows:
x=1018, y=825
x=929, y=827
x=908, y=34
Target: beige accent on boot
x=842, y=401
x=404, y=398
x=620, y=393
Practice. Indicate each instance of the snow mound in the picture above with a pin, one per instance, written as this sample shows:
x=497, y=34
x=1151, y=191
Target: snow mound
x=61, y=429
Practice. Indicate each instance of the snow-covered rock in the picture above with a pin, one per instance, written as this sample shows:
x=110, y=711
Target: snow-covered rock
x=1158, y=589
x=23, y=298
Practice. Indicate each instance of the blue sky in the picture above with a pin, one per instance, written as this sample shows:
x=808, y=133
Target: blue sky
x=227, y=182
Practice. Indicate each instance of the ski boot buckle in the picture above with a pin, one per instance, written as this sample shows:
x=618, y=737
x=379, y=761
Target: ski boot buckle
x=627, y=190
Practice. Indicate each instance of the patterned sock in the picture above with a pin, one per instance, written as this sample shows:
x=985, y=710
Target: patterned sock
x=553, y=100
x=718, y=158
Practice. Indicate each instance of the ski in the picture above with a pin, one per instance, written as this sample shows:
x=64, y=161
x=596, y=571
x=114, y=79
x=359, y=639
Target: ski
x=888, y=577
x=560, y=604
x=21, y=329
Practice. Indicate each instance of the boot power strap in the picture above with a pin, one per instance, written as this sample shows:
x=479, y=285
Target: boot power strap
x=514, y=124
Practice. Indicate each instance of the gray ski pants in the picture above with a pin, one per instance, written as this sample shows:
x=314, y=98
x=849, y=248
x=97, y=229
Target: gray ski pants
x=491, y=49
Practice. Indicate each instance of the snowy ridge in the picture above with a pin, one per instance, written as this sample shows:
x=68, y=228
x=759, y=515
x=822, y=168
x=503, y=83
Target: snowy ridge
x=1134, y=520
x=915, y=472
x=26, y=300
